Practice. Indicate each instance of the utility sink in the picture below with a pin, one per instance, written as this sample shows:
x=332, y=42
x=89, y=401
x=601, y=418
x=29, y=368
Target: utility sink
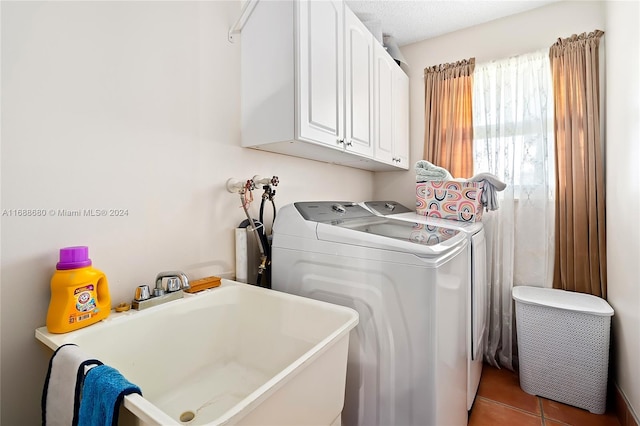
x=236, y=354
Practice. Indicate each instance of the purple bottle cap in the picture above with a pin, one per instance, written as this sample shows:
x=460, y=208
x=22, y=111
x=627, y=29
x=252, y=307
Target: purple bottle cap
x=73, y=257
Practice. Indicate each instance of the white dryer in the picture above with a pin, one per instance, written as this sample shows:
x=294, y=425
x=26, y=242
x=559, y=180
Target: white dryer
x=407, y=356
x=477, y=294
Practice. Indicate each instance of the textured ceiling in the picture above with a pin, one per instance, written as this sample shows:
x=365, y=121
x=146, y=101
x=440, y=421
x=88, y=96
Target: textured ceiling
x=409, y=21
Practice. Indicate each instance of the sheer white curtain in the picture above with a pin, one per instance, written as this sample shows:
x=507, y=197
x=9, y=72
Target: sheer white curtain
x=513, y=139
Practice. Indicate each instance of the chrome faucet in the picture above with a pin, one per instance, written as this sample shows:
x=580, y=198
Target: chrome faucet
x=176, y=282
x=172, y=282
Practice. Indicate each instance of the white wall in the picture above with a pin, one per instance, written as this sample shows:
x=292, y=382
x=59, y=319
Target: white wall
x=622, y=41
x=522, y=33
x=128, y=105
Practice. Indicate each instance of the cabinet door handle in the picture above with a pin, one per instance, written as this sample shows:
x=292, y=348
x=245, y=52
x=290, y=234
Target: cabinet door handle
x=340, y=141
x=349, y=143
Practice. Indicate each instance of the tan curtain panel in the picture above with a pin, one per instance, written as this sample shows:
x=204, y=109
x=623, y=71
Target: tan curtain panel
x=448, y=134
x=580, y=263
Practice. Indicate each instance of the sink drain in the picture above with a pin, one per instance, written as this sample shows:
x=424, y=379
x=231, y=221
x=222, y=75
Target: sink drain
x=187, y=416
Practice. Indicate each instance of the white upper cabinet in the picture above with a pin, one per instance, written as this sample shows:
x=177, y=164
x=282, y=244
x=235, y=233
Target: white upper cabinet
x=358, y=86
x=384, y=65
x=308, y=85
x=320, y=71
x=400, y=119
x=391, y=110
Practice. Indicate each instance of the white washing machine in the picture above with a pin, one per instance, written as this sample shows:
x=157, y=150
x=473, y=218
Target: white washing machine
x=407, y=356
x=477, y=304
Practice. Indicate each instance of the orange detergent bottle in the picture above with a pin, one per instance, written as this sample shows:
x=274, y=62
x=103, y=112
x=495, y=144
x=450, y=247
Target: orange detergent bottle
x=79, y=292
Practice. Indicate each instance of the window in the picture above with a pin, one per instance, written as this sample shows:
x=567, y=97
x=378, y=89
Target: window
x=513, y=123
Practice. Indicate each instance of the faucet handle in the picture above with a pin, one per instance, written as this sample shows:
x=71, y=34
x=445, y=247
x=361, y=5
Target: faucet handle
x=142, y=292
x=172, y=283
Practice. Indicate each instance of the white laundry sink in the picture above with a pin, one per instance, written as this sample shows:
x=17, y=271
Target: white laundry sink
x=236, y=354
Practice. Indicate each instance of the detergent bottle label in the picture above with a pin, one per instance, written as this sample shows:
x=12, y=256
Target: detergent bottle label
x=85, y=304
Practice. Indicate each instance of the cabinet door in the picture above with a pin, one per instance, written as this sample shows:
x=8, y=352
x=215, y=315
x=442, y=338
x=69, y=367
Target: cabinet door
x=400, y=118
x=358, y=86
x=320, y=72
x=383, y=99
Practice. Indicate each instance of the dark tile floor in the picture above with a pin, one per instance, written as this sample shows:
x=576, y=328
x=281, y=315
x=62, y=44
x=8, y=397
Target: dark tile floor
x=501, y=402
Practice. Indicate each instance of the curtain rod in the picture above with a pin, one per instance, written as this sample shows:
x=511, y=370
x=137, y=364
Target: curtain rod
x=236, y=28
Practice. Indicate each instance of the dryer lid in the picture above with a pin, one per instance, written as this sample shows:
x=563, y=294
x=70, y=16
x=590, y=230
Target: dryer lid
x=468, y=227
x=390, y=234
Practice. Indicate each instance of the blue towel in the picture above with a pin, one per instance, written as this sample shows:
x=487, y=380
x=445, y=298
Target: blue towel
x=103, y=391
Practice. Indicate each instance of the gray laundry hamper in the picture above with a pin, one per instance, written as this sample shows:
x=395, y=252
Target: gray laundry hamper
x=563, y=345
